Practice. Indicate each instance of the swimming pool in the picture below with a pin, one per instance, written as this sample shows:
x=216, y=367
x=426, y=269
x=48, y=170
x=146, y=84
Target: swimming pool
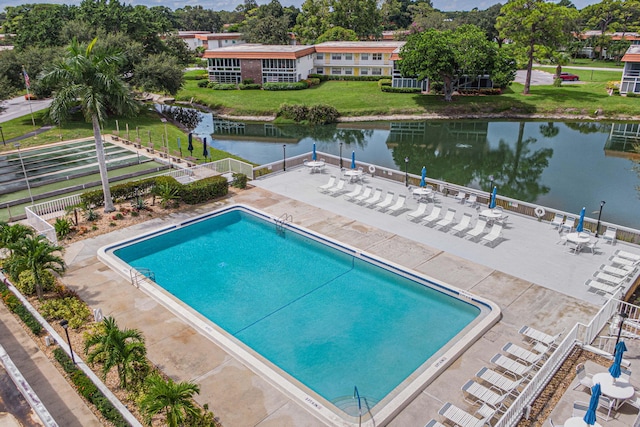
x=322, y=315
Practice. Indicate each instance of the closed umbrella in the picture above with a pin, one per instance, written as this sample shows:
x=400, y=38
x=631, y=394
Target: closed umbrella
x=590, y=416
x=205, y=152
x=179, y=147
x=492, y=203
x=580, y=226
x=353, y=160
x=313, y=154
x=424, y=177
x=190, y=147
x=614, y=369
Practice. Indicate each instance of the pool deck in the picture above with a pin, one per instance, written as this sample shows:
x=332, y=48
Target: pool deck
x=533, y=280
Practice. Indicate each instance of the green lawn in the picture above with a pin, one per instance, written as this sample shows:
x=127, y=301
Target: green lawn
x=365, y=98
x=587, y=75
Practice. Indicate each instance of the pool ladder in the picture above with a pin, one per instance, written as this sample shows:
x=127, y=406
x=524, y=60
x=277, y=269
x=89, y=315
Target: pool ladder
x=283, y=220
x=139, y=274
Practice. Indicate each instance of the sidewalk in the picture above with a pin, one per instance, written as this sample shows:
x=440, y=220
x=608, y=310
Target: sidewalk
x=57, y=395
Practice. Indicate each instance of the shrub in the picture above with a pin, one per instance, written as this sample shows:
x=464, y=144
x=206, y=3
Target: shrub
x=251, y=86
x=294, y=112
x=26, y=282
x=69, y=308
x=203, y=83
x=400, y=89
x=557, y=82
x=321, y=77
x=13, y=303
x=384, y=82
x=64, y=360
x=239, y=180
x=285, y=86
x=204, y=190
x=632, y=95
x=224, y=86
x=247, y=81
x=314, y=81
x=62, y=227
x=322, y=115
x=358, y=78
x=92, y=198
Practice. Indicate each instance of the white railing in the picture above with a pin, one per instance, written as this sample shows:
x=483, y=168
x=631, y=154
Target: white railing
x=55, y=208
x=41, y=225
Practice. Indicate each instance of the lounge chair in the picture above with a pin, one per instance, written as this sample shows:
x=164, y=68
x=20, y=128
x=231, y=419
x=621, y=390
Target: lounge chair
x=494, y=234
x=557, y=220
x=399, y=204
x=610, y=235
x=478, y=229
x=328, y=185
x=497, y=380
x=475, y=393
x=337, y=188
x=386, y=202
x=472, y=200
x=535, y=335
x=461, y=196
x=464, y=223
x=568, y=223
x=434, y=423
x=628, y=255
x=374, y=198
x=608, y=278
x=522, y=354
x=460, y=417
x=422, y=207
x=602, y=288
x=624, y=272
x=512, y=366
x=447, y=219
x=365, y=194
x=616, y=260
x=355, y=192
x=435, y=214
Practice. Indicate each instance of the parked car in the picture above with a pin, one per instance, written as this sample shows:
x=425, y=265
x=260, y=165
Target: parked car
x=569, y=77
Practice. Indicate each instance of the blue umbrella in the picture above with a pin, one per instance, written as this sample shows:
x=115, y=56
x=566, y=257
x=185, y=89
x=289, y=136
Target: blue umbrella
x=614, y=369
x=424, y=176
x=580, y=226
x=313, y=154
x=353, y=160
x=190, y=147
x=492, y=204
x=205, y=152
x=590, y=416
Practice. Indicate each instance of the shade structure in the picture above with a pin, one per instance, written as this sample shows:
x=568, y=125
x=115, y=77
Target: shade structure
x=313, y=154
x=590, y=416
x=492, y=204
x=580, y=226
x=424, y=177
x=614, y=369
x=190, y=147
x=353, y=160
x=205, y=152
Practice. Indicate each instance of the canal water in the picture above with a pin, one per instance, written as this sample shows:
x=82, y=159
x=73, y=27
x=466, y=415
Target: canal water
x=564, y=165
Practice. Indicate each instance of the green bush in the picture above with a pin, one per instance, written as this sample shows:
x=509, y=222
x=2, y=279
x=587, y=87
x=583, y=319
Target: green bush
x=400, y=89
x=247, y=81
x=203, y=83
x=358, y=78
x=322, y=114
x=204, y=190
x=632, y=95
x=62, y=227
x=314, y=81
x=384, y=82
x=196, y=76
x=69, y=308
x=92, y=198
x=224, y=86
x=26, y=282
x=64, y=360
x=321, y=77
x=285, y=86
x=557, y=82
x=294, y=112
x=251, y=86
x=239, y=180
x=482, y=91
x=14, y=304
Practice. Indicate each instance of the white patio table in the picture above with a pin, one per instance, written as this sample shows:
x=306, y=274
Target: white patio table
x=353, y=174
x=619, y=390
x=314, y=165
x=578, y=422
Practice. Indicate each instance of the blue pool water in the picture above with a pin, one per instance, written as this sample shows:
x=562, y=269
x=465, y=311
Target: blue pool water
x=330, y=320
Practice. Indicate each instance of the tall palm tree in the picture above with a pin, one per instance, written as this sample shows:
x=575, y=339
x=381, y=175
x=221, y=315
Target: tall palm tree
x=174, y=399
x=36, y=254
x=123, y=349
x=89, y=76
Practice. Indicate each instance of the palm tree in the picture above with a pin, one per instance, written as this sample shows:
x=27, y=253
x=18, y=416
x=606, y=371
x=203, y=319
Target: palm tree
x=37, y=255
x=123, y=349
x=10, y=234
x=90, y=76
x=174, y=399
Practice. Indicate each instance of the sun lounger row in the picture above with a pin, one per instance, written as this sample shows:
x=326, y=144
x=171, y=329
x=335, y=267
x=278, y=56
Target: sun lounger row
x=365, y=195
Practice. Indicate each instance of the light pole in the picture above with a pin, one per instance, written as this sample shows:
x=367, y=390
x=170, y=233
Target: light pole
x=490, y=188
x=284, y=157
x=65, y=326
x=341, y=155
x=24, y=171
x=599, y=215
x=621, y=318
x=406, y=171
x=2, y=133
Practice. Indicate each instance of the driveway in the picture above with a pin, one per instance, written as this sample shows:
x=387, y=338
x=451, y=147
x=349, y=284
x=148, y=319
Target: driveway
x=18, y=107
x=537, y=77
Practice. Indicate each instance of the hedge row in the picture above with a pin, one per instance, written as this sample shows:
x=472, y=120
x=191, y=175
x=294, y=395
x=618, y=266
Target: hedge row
x=125, y=191
x=401, y=89
x=13, y=303
x=358, y=78
x=285, y=86
x=204, y=190
x=88, y=389
x=484, y=91
x=316, y=114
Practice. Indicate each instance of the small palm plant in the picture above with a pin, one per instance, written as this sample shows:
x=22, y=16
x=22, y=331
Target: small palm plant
x=174, y=400
x=167, y=193
x=37, y=255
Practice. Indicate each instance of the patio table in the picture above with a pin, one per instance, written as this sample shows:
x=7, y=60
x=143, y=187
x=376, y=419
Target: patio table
x=491, y=214
x=353, y=174
x=578, y=422
x=578, y=239
x=422, y=193
x=619, y=390
x=314, y=166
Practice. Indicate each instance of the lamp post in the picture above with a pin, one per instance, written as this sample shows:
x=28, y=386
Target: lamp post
x=284, y=157
x=621, y=318
x=65, y=325
x=24, y=171
x=2, y=133
x=341, y=155
x=490, y=188
x=599, y=215
x=406, y=171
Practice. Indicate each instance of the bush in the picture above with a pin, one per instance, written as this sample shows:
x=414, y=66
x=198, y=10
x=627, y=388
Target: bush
x=69, y=308
x=252, y=86
x=13, y=303
x=239, y=180
x=62, y=227
x=320, y=77
x=358, y=78
x=400, y=89
x=322, y=115
x=224, y=86
x=632, y=95
x=313, y=81
x=557, y=82
x=204, y=190
x=384, y=82
x=294, y=112
x=285, y=86
x=203, y=83
x=247, y=81
x=26, y=282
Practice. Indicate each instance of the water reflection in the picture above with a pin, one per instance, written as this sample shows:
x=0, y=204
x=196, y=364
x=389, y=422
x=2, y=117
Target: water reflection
x=566, y=165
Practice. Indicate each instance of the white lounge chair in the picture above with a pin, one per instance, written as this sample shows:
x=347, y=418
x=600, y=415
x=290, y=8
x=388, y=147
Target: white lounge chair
x=512, y=366
x=557, y=220
x=447, y=219
x=435, y=214
x=434, y=423
x=328, y=185
x=464, y=223
x=399, y=204
x=608, y=278
x=492, y=235
x=475, y=392
x=601, y=288
x=461, y=196
x=338, y=187
x=365, y=194
x=497, y=380
x=628, y=255
x=624, y=272
x=535, y=335
x=355, y=192
x=478, y=229
x=472, y=200
x=374, y=198
x=460, y=417
x=568, y=223
x=610, y=235
x=386, y=202
x=422, y=208
x=522, y=354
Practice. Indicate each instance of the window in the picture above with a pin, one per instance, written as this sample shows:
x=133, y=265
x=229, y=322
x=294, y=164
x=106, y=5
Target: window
x=336, y=56
x=348, y=71
x=376, y=56
x=348, y=56
x=336, y=71
x=319, y=55
x=364, y=56
x=320, y=70
x=376, y=71
x=364, y=71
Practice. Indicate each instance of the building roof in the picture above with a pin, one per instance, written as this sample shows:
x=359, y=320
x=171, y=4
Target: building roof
x=219, y=36
x=353, y=47
x=632, y=54
x=614, y=36
x=260, y=51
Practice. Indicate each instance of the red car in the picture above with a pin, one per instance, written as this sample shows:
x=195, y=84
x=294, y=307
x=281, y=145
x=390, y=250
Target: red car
x=569, y=77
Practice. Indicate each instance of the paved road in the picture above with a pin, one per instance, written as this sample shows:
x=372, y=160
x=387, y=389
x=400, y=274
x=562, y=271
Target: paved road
x=18, y=107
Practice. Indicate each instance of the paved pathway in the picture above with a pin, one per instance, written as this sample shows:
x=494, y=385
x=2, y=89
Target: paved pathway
x=18, y=107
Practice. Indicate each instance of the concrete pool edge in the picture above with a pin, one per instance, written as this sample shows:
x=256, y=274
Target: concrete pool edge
x=326, y=411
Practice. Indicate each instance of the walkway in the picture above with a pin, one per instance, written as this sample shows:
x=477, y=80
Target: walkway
x=20, y=107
